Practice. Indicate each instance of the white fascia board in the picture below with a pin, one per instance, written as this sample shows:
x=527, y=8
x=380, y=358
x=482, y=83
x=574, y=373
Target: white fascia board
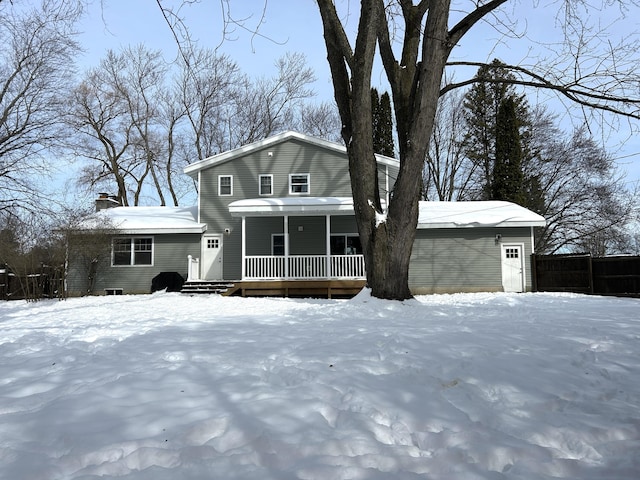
x=196, y=167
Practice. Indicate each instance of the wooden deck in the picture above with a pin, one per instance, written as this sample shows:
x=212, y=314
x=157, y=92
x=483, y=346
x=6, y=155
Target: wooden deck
x=297, y=288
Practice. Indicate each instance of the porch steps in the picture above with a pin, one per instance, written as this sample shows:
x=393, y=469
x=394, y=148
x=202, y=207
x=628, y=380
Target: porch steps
x=205, y=287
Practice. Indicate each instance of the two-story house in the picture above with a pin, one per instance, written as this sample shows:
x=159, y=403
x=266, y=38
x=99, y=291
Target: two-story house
x=276, y=217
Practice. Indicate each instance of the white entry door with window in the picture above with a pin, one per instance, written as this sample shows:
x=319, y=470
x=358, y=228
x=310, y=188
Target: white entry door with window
x=211, y=264
x=512, y=267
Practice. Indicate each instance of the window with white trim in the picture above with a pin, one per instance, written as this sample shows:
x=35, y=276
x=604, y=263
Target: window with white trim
x=299, y=183
x=277, y=244
x=266, y=184
x=345, y=244
x=225, y=185
x=128, y=251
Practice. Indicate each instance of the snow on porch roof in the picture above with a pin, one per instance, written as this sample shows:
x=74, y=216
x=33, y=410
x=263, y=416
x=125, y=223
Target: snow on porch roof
x=147, y=220
x=292, y=206
x=432, y=214
x=476, y=214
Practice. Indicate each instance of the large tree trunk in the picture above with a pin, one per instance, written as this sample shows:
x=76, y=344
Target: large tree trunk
x=387, y=235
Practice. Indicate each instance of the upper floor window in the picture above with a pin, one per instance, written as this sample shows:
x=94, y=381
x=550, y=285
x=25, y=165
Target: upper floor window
x=299, y=183
x=225, y=185
x=266, y=184
x=132, y=251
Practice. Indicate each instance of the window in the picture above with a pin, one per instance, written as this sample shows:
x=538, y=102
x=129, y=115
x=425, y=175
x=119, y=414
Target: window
x=213, y=243
x=512, y=252
x=345, y=244
x=277, y=244
x=225, y=185
x=132, y=251
x=299, y=183
x=266, y=184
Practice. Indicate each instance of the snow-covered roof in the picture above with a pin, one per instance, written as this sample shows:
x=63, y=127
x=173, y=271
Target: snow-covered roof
x=432, y=214
x=292, y=206
x=193, y=169
x=147, y=220
x=476, y=214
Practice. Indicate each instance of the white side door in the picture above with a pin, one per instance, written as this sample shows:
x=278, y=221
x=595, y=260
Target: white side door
x=211, y=264
x=512, y=268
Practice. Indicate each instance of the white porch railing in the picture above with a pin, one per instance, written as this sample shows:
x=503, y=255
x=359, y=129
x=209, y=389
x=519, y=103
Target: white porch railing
x=268, y=267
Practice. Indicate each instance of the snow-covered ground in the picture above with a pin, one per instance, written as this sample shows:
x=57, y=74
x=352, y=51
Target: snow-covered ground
x=170, y=387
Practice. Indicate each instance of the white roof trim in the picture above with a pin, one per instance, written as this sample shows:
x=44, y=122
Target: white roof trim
x=476, y=214
x=292, y=206
x=195, y=167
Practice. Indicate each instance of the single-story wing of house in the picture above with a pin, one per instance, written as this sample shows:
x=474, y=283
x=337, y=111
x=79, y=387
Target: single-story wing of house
x=277, y=217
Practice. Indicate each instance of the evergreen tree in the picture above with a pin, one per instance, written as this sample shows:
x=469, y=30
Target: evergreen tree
x=481, y=106
x=508, y=179
x=382, y=124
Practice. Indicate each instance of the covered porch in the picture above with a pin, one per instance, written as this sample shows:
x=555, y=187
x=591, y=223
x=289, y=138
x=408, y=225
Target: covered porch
x=306, y=238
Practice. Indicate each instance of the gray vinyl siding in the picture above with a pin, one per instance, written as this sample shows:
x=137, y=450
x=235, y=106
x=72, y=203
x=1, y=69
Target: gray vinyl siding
x=169, y=255
x=328, y=176
x=260, y=230
x=463, y=259
x=344, y=224
x=311, y=240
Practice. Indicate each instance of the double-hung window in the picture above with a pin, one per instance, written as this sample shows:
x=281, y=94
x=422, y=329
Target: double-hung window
x=132, y=251
x=299, y=183
x=266, y=184
x=225, y=185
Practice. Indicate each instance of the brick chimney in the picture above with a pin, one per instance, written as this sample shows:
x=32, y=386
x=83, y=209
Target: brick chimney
x=105, y=201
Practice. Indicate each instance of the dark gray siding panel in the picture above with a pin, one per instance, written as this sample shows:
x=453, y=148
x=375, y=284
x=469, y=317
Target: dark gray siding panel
x=170, y=255
x=344, y=224
x=463, y=259
x=259, y=232
x=307, y=235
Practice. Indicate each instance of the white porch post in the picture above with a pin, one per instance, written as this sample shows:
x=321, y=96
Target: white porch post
x=286, y=245
x=328, y=242
x=244, y=247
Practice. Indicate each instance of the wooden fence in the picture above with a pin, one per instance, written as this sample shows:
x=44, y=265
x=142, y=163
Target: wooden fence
x=46, y=283
x=582, y=273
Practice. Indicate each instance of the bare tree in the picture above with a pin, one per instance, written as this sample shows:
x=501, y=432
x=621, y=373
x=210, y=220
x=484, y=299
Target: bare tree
x=206, y=85
x=37, y=45
x=119, y=113
x=270, y=104
x=320, y=120
x=447, y=173
x=586, y=203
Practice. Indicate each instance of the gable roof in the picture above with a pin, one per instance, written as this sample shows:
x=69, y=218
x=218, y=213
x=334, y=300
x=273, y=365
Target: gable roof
x=476, y=214
x=148, y=220
x=193, y=169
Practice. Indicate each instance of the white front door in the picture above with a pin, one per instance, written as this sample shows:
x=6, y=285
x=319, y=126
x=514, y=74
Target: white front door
x=512, y=268
x=211, y=264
